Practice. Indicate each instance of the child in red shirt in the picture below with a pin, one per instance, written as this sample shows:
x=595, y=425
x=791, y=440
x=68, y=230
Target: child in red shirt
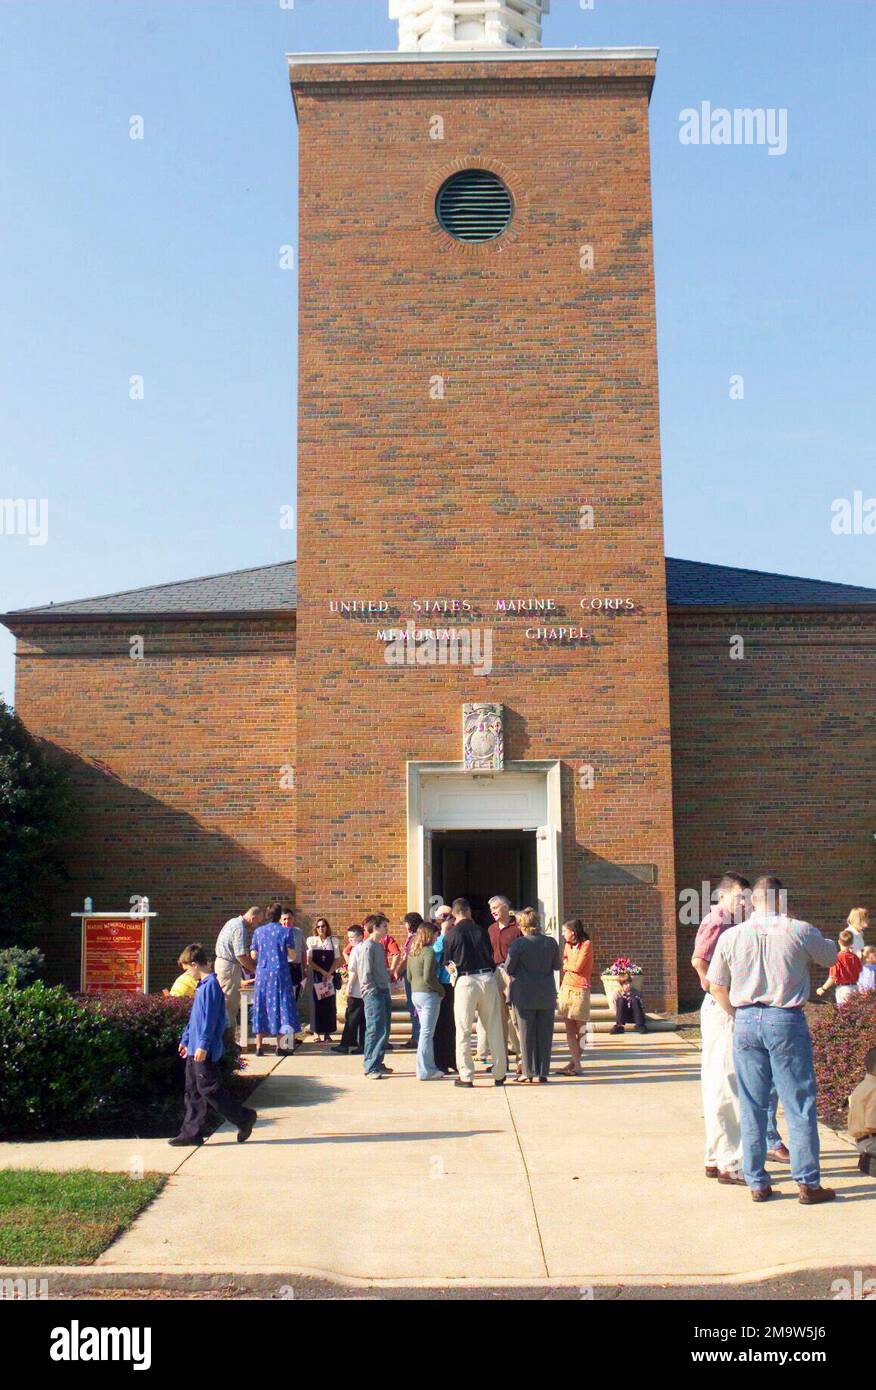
x=844, y=972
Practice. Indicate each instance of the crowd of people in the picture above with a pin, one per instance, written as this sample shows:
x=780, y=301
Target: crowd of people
x=457, y=976
x=498, y=986
x=460, y=979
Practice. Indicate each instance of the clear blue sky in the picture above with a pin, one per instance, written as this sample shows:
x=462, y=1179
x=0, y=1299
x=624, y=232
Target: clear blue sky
x=160, y=258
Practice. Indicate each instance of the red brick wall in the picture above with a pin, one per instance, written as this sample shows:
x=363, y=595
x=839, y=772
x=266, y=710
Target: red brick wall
x=176, y=759
x=773, y=759
x=550, y=404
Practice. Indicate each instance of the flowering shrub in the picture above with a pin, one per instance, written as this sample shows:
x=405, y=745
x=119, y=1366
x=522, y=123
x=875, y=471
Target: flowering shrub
x=841, y=1038
x=149, y=1027
x=624, y=966
x=91, y=1062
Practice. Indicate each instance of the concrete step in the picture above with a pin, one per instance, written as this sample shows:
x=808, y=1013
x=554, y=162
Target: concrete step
x=601, y=1020
x=598, y=1004
x=400, y=1028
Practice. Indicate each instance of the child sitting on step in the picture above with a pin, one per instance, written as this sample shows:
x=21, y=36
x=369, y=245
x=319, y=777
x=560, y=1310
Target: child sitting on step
x=629, y=1007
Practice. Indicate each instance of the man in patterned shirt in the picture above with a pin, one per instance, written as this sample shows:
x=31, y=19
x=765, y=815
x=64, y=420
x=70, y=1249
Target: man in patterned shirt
x=760, y=977
x=718, y=1072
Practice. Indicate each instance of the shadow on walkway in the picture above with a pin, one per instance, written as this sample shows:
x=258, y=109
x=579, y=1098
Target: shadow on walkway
x=415, y=1136
x=287, y=1091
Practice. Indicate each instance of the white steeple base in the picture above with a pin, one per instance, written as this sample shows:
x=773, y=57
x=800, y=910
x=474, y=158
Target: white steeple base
x=467, y=25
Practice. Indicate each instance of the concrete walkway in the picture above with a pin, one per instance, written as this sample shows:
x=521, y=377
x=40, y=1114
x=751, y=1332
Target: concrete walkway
x=132, y=1156
x=598, y=1179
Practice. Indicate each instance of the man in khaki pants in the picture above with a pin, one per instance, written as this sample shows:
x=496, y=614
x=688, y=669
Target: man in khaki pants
x=233, y=959
x=468, y=956
x=503, y=931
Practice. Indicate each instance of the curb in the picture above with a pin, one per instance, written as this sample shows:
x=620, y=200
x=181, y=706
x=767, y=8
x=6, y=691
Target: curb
x=268, y=1282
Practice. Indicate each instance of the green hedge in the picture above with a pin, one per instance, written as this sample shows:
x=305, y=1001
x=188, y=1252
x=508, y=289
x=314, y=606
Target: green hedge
x=90, y=1064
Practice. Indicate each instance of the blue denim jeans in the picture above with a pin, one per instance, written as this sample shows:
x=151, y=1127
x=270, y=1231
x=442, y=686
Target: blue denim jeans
x=771, y=1047
x=428, y=1006
x=774, y=1138
x=415, y=1018
x=378, y=1012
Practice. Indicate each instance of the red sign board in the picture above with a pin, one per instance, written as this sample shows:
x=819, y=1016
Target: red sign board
x=115, y=953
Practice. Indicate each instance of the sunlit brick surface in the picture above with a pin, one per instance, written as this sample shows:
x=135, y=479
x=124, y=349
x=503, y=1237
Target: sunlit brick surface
x=550, y=403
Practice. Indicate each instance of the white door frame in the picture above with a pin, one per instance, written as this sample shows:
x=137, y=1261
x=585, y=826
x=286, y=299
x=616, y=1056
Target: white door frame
x=419, y=831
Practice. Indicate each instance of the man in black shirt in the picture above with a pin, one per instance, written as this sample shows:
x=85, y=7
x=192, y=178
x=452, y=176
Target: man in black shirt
x=467, y=953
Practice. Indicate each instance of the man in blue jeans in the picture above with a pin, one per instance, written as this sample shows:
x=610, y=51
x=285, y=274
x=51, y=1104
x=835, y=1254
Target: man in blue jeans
x=720, y=1095
x=760, y=976
x=374, y=978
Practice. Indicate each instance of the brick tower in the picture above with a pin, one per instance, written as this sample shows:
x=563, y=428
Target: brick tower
x=479, y=453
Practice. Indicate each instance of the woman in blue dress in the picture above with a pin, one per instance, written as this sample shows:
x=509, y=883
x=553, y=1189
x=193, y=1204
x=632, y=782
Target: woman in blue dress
x=273, y=997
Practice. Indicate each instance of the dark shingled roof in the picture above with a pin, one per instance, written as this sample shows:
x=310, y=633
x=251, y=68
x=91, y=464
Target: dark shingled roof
x=268, y=589
x=692, y=584
x=272, y=589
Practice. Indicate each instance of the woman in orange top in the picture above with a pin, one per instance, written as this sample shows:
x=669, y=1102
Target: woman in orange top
x=573, y=1004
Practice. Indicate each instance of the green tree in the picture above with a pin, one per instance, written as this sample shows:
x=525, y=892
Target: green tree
x=36, y=811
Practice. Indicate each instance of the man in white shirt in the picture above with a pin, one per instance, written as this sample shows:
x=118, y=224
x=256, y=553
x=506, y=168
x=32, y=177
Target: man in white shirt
x=759, y=975
x=233, y=960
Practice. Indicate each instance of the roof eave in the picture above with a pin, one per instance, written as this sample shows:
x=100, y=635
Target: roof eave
x=23, y=618
x=700, y=608
x=635, y=54
x=296, y=62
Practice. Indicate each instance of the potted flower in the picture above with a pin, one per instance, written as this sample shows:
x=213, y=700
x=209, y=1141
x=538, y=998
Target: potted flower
x=611, y=977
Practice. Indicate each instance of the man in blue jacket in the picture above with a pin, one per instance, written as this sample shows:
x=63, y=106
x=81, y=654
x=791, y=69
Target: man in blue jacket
x=202, y=1047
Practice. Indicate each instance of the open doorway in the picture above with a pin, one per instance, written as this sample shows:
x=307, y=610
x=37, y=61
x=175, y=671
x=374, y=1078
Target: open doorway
x=479, y=864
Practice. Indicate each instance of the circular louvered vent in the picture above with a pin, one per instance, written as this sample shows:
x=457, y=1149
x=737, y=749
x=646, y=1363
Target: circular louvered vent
x=474, y=205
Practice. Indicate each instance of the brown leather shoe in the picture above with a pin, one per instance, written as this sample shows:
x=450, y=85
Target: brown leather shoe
x=761, y=1194
x=712, y=1172
x=779, y=1154
x=814, y=1196
x=732, y=1179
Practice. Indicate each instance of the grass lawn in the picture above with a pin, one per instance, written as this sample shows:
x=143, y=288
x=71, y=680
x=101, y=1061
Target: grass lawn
x=67, y=1218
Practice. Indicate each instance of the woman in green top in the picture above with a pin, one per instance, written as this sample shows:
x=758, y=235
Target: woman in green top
x=426, y=995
